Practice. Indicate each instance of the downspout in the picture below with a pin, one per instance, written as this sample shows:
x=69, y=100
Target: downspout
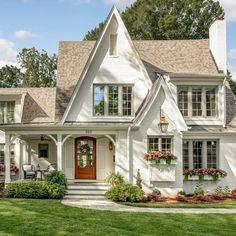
x=128, y=154
x=224, y=97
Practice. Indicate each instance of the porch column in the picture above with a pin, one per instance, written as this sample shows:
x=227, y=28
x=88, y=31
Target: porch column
x=7, y=160
x=59, y=152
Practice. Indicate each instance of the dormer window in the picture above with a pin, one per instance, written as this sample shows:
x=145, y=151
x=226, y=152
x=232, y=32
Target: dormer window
x=7, y=112
x=113, y=45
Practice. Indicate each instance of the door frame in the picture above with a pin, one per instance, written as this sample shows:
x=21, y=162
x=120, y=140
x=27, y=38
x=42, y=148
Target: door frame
x=76, y=171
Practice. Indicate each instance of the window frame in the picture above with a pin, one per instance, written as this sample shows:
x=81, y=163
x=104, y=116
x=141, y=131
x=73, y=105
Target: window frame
x=39, y=154
x=120, y=113
x=204, y=152
x=160, y=141
x=189, y=89
x=5, y=111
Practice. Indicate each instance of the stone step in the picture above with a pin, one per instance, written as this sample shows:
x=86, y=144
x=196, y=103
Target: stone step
x=85, y=192
x=88, y=187
x=84, y=197
x=88, y=184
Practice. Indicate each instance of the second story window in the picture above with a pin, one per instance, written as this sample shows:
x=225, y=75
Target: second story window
x=197, y=101
x=7, y=111
x=113, y=100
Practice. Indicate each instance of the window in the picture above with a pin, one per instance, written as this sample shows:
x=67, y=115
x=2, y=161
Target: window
x=113, y=44
x=98, y=100
x=127, y=101
x=186, y=154
x=43, y=150
x=183, y=101
x=160, y=143
x=200, y=154
x=7, y=111
x=197, y=101
x=2, y=153
x=113, y=100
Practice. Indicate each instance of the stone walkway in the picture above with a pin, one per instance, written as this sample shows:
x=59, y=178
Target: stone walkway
x=104, y=205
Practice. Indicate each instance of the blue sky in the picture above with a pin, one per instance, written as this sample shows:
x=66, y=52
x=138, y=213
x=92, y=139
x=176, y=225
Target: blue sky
x=43, y=23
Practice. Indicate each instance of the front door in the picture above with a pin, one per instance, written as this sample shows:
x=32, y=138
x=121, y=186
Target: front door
x=85, y=158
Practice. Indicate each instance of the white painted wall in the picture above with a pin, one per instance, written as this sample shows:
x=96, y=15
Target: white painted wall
x=123, y=69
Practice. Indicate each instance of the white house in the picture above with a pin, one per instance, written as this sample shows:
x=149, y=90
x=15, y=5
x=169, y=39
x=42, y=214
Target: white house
x=107, y=111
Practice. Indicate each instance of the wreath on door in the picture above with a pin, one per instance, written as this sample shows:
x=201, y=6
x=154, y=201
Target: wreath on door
x=84, y=149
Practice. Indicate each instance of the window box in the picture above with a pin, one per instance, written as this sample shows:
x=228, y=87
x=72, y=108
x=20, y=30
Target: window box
x=162, y=173
x=2, y=173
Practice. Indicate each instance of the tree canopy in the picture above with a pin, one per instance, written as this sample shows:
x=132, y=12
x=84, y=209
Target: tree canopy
x=37, y=69
x=167, y=19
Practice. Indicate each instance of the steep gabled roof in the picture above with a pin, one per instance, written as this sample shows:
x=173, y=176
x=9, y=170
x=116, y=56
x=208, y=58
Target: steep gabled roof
x=171, y=56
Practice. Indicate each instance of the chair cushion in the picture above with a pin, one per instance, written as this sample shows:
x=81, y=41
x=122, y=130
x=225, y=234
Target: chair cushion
x=30, y=173
x=27, y=168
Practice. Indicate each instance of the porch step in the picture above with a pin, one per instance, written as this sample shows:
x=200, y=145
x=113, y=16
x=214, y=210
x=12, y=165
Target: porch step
x=86, y=190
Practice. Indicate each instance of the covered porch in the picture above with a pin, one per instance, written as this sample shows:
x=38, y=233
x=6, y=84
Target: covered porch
x=79, y=154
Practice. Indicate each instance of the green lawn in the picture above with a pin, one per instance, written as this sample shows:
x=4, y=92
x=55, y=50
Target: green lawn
x=48, y=217
x=228, y=205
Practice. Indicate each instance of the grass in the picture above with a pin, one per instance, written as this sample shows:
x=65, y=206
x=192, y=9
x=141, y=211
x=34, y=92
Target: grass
x=50, y=217
x=227, y=204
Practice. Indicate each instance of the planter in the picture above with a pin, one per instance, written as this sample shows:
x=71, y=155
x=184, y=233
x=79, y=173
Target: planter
x=162, y=173
x=196, y=178
x=3, y=173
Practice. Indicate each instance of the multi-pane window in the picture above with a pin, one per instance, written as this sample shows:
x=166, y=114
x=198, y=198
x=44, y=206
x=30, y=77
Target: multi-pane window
x=210, y=101
x=197, y=101
x=113, y=100
x=186, y=154
x=7, y=111
x=127, y=100
x=43, y=150
x=98, y=100
x=211, y=154
x=160, y=143
x=183, y=100
x=2, y=153
x=200, y=154
x=113, y=45
x=197, y=154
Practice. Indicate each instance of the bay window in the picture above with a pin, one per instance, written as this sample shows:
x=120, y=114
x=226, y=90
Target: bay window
x=7, y=112
x=200, y=154
x=160, y=143
x=113, y=100
x=197, y=101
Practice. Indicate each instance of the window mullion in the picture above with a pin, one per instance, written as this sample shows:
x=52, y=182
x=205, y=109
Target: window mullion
x=190, y=154
x=120, y=101
x=106, y=99
x=204, y=154
x=190, y=101
x=204, y=101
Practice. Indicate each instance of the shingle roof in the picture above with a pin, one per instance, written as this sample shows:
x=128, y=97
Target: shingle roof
x=38, y=103
x=173, y=56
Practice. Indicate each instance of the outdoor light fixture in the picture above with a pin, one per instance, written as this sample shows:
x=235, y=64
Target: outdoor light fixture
x=163, y=125
x=110, y=146
x=42, y=138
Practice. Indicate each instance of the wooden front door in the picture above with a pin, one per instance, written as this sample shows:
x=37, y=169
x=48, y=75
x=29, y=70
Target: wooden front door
x=85, y=158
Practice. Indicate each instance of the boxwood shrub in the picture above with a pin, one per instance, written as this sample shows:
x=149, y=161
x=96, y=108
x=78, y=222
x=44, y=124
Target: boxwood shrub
x=35, y=189
x=56, y=177
x=125, y=192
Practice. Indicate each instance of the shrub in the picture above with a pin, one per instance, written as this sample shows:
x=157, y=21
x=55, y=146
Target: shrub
x=139, y=180
x=115, y=179
x=233, y=192
x=198, y=190
x=182, y=198
x=223, y=191
x=203, y=198
x=35, y=190
x=217, y=196
x=125, y=192
x=56, y=177
x=182, y=193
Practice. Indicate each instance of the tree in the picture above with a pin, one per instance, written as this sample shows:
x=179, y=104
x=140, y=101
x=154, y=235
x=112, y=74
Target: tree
x=39, y=69
x=10, y=77
x=167, y=19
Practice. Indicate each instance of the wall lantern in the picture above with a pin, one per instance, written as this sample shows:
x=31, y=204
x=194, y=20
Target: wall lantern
x=110, y=145
x=42, y=138
x=163, y=125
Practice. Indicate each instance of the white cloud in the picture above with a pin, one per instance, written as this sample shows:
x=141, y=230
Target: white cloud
x=119, y=2
x=232, y=70
x=232, y=54
x=23, y=34
x=230, y=9
x=7, y=53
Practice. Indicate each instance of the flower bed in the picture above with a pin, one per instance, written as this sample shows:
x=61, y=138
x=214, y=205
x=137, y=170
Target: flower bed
x=157, y=156
x=201, y=173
